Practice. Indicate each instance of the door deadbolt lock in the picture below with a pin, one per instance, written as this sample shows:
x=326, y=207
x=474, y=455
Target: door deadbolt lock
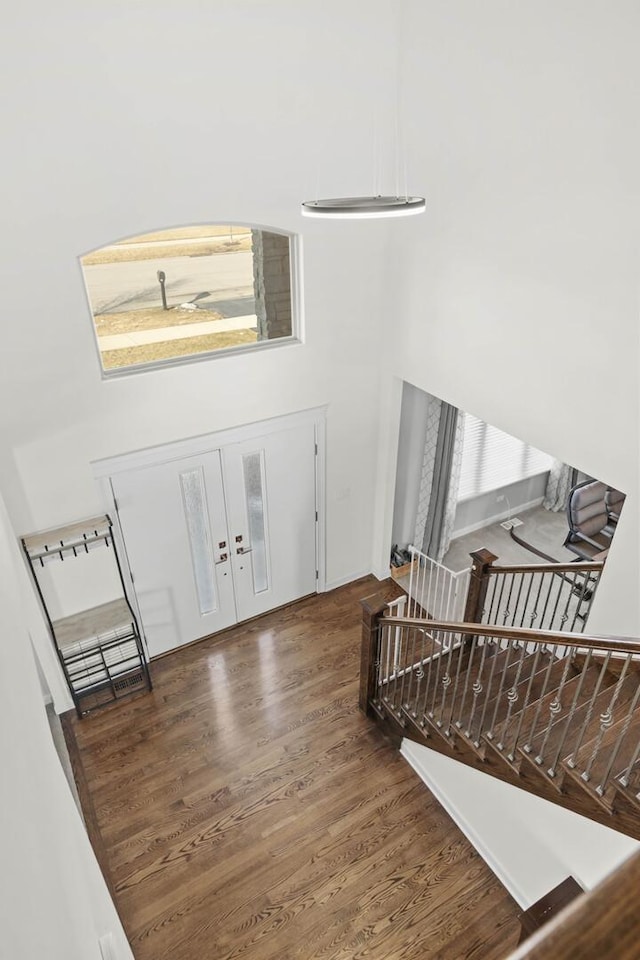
x=222, y=545
x=239, y=539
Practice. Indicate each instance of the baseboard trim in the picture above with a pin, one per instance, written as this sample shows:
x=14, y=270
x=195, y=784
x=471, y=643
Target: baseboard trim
x=497, y=518
x=342, y=581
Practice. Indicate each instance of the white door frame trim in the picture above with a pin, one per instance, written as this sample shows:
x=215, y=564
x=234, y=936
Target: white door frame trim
x=107, y=467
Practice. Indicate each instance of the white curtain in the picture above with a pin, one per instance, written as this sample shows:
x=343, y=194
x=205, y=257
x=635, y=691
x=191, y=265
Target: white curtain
x=562, y=478
x=440, y=477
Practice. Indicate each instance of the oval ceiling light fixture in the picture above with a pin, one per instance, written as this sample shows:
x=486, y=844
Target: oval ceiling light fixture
x=361, y=208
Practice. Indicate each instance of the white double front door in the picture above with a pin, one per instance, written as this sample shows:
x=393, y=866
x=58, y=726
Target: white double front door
x=220, y=537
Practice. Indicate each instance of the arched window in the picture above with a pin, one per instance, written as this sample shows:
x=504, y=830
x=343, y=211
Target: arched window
x=191, y=292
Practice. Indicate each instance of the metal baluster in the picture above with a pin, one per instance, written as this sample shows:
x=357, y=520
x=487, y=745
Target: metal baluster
x=474, y=647
x=576, y=593
x=555, y=607
x=460, y=651
x=507, y=612
x=518, y=595
x=614, y=753
x=594, y=582
x=427, y=685
x=576, y=700
x=552, y=657
x=554, y=709
x=419, y=672
x=387, y=644
x=477, y=686
x=446, y=679
x=409, y=668
x=580, y=599
x=625, y=778
x=534, y=612
x=436, y=683
x=396, y=664
x=511, y=754
x=571, y=761
x=568, y=589
x=508, y=664
x=489, y=604
x=526, y=601
x=606, y=719
x=550, y=578
x=512, y=697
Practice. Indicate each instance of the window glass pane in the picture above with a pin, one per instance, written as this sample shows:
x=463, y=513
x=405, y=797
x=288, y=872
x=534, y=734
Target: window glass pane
x=492, y=459
x=197, y=518
x=253, y=485
x=191, y=291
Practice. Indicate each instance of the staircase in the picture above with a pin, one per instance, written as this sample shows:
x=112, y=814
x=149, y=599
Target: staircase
x=554, y=712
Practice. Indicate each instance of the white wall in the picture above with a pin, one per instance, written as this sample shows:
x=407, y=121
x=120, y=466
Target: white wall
x=484, y=509
x=516, y=295
x=53, y=900
x=532, y=845
x=127, y=119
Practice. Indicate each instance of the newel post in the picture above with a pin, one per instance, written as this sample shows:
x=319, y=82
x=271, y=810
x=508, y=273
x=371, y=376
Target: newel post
x=372, y=608
x=478, y=582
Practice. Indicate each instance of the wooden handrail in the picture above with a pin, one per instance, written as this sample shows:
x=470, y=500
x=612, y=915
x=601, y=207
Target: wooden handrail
x=613, y=644
x=589, y=566
x=602, y=924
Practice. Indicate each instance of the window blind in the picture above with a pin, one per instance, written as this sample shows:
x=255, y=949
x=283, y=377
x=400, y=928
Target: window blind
x=492, y=459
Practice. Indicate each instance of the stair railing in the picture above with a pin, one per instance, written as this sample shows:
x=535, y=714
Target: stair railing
x=544, y=596
x=511, y=689
x=601, y=923
x=434, y=590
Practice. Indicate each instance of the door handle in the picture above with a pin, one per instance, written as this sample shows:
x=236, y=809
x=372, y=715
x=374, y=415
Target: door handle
x=223, y=559
x=243, y=550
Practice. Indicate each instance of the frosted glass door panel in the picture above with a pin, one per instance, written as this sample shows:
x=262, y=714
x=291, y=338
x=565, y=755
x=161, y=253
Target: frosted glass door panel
x=252, y=465
x=220, y=537
x=173, y=521
x=270, y=488
x=197, y=518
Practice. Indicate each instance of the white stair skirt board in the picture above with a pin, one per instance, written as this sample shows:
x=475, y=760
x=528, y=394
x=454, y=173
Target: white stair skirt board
x=530, y=844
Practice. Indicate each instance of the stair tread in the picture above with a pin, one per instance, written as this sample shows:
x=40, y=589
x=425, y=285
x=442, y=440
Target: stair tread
x=540, y=708
x=548, y=677
x=565, y=732
x=604, y=746
x=467, y=715
x=535, y=737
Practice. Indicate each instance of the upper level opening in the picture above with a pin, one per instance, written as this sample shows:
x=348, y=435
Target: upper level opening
x=191, y=292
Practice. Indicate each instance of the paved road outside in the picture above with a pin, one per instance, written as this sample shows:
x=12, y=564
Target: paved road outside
x=221, y=281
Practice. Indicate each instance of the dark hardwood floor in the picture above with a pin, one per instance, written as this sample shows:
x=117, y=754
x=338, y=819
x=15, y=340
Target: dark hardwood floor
x=246, y=808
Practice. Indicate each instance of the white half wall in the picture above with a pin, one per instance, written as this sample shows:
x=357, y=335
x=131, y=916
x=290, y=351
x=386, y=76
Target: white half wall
x=530, y=844
x=54, y=902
